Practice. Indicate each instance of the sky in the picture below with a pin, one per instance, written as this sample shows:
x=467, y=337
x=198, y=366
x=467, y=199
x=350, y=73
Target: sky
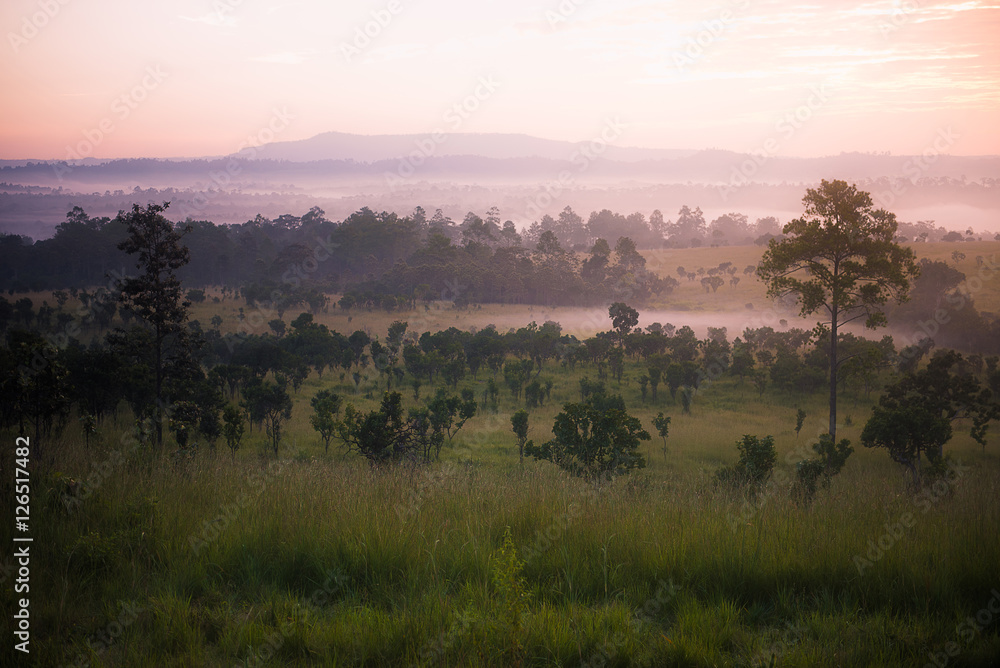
x=119, y=78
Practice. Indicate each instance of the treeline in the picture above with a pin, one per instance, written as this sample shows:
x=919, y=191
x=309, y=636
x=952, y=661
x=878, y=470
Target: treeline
x=45, y=382
x=475, y=261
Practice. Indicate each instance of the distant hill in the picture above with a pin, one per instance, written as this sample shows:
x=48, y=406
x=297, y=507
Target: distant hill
x=525, y=176
x=373, y=148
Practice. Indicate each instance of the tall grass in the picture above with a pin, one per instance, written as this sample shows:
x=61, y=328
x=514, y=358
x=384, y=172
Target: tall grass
x=329, y=562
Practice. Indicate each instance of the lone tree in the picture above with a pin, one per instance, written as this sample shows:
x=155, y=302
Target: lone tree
x=914, y=415
x=155, y=294
x=841, y=257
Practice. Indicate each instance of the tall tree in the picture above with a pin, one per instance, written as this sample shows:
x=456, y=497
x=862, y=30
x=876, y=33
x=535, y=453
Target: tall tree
x=839, y=256
x=155, y=294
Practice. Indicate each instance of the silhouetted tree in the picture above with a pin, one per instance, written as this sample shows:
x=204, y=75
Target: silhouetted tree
x=155, y=294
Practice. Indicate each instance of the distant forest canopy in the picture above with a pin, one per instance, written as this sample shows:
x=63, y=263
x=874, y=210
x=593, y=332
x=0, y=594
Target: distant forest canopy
x=557, y=260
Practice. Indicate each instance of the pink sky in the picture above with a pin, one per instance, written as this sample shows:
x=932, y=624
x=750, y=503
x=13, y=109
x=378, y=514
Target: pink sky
x=198, y=77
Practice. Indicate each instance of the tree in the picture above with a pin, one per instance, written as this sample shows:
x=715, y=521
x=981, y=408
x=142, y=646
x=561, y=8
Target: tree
x=184, y=417
x=655, y=373
x=519, y=423
x=35, y=385
x=233, y=427
x=594, y=439
x=675, y=378
x=662, y=424
x=712, y=283
x=326, y=407
x=841, y=257
x=268, y=402
x=623, y=319
x=516, y=374
x=155, y=294
x=448, y=414
x=800, y=419
x=915, y=414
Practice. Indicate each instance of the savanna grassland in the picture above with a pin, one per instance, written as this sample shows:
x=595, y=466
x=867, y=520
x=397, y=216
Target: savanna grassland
x=144, y=557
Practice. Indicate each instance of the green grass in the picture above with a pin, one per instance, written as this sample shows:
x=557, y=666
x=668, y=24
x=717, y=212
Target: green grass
x=316, y=559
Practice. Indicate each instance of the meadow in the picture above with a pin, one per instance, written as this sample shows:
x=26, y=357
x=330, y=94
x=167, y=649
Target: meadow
x=142, y=557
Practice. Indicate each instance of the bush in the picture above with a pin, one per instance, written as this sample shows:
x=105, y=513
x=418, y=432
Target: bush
x=594, y=439
x=753, y=470
x=811, y=472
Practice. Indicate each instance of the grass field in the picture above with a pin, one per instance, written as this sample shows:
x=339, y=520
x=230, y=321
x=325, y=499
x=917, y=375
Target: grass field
x=313, y=558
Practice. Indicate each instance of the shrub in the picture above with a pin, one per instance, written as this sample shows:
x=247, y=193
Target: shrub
x=594, y=439
x=753, y=470
x=811, y=472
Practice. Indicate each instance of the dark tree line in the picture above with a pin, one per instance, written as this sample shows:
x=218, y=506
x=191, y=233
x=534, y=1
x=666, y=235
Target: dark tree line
x=568, y=260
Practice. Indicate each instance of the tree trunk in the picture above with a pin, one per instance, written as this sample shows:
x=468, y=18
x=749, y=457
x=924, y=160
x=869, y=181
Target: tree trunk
x=833, y=374
x=159, y=388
